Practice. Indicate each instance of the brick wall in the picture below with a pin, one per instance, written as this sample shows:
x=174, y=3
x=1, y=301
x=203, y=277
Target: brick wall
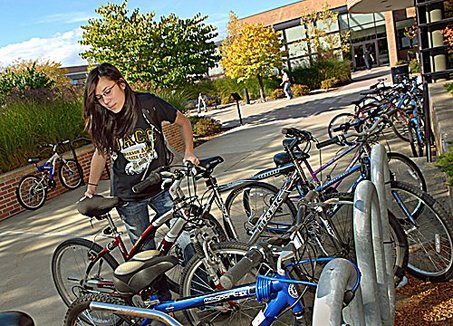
x=8, y=182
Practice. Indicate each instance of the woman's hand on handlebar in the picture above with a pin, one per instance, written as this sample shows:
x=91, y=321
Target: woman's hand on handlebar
x=191, y=158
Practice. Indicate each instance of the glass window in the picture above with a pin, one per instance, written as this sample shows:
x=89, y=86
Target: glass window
x=295, y=33
x=300, y=62
x=343, y=21
x=297, y=49
x=379, y=16
x=328, y=29
x=360, y=19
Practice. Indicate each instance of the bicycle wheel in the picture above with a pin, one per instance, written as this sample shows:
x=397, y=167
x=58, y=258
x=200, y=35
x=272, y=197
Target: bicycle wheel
x=207, y=224
x=402, y=168
x=340, y=215
x=400, y=125
x=31, y=192
x=431, y=238
x=69, y=174
x=337, y=121
x=196, y=281
x=248, y=202
x=79, y=313
x=73, y=271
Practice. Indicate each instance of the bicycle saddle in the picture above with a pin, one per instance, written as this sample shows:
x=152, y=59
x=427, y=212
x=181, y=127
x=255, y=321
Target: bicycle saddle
x=211, y=162
x=133, y=276
x=33, y=160
x=283, y=157
x=15, y=318
x=97, y=206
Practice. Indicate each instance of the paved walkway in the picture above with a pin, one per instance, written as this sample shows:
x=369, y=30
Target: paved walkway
x=28, y=239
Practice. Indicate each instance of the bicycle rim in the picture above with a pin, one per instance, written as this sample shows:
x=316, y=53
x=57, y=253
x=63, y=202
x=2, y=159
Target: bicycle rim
x=70, y=263
x=69, y=174
x=402, y=168
x=430, y=239
x=31, y=192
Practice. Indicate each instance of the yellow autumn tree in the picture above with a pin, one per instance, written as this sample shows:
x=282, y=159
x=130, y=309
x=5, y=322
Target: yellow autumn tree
x=250, y=51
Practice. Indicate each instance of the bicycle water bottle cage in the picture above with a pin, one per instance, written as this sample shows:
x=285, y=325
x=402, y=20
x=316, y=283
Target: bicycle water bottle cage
x=97, y=206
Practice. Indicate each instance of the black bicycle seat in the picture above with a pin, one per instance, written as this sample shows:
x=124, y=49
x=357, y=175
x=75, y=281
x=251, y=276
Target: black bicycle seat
x=97, y=206
x=211, y=162
x=15, y=318
x=283, y=157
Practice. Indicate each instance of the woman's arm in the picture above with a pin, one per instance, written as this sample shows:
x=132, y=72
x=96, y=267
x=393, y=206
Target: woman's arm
x=96, y=167
x=187, y=136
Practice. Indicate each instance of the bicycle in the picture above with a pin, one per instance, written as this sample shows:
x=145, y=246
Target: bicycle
x=281, y=290
x=424, y=221
x=32, y=189
x=80, y=265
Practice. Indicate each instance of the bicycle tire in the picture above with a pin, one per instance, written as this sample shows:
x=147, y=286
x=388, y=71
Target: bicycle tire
x=31, y=191
x=431, y=240
x=196, y=281
x=407, y=171
x=342, y=222
x=66, y=255
x=69, y=173
x=174, y=275
x=79, y=311
x=249, y=201
x=400, y=128
x=338, y=120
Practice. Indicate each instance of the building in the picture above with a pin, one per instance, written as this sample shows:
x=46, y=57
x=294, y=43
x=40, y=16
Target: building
x=77, y=74
x=382, y=33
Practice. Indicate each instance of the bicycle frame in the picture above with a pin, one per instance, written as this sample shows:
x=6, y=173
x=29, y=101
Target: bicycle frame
x=49, y=165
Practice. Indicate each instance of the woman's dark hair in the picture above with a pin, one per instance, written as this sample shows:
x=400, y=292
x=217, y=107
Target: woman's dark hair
x=103, y=125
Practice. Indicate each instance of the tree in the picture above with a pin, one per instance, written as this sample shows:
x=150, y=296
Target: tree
x=317, y=25
x=250, y=51
x=168, y=52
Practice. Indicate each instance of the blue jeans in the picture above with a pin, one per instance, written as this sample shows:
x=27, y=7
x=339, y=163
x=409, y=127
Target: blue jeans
x=135, y=216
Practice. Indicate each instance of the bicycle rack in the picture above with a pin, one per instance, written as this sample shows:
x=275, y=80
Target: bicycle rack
x=376, y=303
x=337, y=277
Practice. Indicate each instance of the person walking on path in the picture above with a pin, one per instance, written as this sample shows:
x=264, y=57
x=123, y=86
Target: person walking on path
x=202, y=100
x=126, y=125
x=286, y=83
x=368, y=57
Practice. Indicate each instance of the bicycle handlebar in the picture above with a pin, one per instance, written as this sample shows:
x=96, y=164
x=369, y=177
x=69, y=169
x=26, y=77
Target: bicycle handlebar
x=251, y=259
x=153, y=179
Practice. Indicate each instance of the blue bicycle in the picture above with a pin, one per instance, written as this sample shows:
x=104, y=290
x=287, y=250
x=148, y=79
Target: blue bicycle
x=281, y=291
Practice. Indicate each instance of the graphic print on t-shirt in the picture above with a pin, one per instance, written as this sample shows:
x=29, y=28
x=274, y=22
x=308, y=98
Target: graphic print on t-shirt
x=138, y=149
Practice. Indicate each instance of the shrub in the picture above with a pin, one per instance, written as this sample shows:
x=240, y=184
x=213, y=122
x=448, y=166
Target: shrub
x=449, y=87
x=414, y=66
x=445, y=163
x=300, y=90
x=313, y=75
x=206, y=127
x=277, y=93
x=329, y=83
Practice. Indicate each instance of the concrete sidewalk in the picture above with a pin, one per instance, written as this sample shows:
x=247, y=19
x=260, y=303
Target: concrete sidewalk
x=28, y=239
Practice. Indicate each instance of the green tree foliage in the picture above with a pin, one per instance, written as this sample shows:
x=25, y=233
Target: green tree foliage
x=167, y=53
x=250, y=51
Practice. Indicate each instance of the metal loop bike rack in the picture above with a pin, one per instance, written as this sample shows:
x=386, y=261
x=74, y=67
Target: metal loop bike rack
x=374, y=303
x=337, y=277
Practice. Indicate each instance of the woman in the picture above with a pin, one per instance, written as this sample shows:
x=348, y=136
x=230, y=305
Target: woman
x=127, y=126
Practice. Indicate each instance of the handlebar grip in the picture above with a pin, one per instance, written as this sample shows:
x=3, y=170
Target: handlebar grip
x=250, y=260
x=343, y=127
x=328, y=142
x=152, y=179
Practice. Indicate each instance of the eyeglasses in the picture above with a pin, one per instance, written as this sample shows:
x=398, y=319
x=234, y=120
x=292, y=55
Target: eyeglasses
x=107, y=92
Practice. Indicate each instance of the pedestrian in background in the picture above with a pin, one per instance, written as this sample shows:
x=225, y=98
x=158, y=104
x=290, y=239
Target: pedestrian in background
x=286, y=83
x=202, y=100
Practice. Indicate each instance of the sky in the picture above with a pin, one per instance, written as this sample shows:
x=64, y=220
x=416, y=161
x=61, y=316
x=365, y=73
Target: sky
x=50, y=29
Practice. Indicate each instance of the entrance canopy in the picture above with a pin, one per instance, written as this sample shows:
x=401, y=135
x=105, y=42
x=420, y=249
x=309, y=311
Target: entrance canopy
x=369, y=6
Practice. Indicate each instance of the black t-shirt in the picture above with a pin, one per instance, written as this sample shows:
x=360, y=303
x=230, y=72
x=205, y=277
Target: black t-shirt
x=142, y=151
